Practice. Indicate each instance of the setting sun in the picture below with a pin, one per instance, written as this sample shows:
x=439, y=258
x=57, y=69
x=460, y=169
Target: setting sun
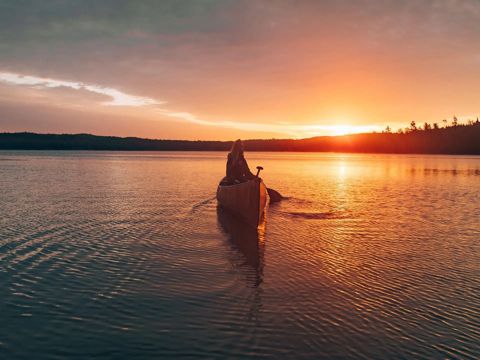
x=334, y=130
x=347, y=129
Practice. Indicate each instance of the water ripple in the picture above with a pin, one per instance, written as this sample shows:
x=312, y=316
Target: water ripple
x=113, y=255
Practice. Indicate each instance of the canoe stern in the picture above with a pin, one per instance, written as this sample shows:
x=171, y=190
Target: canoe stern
x=246, y=200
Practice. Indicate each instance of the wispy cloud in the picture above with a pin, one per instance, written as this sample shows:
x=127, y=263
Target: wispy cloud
x=294, y=130
x=118, y=98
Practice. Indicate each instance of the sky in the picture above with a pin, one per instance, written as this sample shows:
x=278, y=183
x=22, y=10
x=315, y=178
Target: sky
x=222, y=69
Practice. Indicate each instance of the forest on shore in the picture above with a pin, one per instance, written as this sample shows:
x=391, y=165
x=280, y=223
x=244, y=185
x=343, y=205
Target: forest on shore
x=453, y=138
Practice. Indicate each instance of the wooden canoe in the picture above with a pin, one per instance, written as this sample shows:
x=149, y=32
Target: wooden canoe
x=246, y=200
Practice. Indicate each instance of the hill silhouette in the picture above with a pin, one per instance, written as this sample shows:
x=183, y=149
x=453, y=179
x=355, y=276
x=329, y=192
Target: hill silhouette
x=454, y=139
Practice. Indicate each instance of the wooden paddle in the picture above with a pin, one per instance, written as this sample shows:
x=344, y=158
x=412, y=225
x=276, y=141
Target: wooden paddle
x=275, y=196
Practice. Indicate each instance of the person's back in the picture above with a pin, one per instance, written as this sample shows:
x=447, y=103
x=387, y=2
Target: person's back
x=237, y=167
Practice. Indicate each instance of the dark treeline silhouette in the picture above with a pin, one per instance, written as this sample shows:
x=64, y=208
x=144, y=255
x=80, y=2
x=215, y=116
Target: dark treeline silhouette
x=429, y=139
x=32, y=141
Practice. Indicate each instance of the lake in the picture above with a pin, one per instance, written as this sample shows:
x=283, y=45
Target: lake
x=125, y=255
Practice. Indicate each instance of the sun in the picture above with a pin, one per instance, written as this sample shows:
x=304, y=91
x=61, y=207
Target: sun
x=334, y=129
x=338, y=130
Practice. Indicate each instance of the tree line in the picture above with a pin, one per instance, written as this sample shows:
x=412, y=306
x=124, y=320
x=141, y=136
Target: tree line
x=451, y=138
x=433, y=126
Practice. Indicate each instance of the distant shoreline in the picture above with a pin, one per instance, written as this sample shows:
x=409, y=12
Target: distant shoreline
x=455, y=140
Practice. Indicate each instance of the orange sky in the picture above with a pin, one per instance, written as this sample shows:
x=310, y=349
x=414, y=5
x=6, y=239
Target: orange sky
x=227, y=69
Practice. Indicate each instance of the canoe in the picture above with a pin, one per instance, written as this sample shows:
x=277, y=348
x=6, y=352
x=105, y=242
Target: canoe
x=246, y=200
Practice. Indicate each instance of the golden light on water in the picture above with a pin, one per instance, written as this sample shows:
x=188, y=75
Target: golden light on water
x=342, y=169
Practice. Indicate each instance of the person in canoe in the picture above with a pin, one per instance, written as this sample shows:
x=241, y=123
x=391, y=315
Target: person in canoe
x=237, y=167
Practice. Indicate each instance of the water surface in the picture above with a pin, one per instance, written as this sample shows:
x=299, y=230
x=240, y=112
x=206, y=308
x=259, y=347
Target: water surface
x=125, y=254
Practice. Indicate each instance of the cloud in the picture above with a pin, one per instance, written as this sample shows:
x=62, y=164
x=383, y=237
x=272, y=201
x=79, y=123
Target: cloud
x=294, y=130
x=118, y=98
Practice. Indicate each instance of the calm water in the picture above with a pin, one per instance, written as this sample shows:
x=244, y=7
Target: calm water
x=124, y=255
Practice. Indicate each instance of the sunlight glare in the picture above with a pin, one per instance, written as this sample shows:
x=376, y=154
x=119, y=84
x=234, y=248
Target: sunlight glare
x=334, y=130
x=338, y=130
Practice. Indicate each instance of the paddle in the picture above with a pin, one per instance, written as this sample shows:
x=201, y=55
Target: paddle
x=275, y=196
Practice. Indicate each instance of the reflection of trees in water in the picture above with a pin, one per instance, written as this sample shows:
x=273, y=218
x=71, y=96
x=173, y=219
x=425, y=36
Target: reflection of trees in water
x=249, y=243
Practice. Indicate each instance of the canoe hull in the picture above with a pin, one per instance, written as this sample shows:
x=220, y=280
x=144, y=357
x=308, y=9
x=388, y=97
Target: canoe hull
x=246, y=200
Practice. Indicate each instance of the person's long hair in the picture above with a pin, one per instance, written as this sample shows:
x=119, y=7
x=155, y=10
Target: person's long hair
x=237, y=149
